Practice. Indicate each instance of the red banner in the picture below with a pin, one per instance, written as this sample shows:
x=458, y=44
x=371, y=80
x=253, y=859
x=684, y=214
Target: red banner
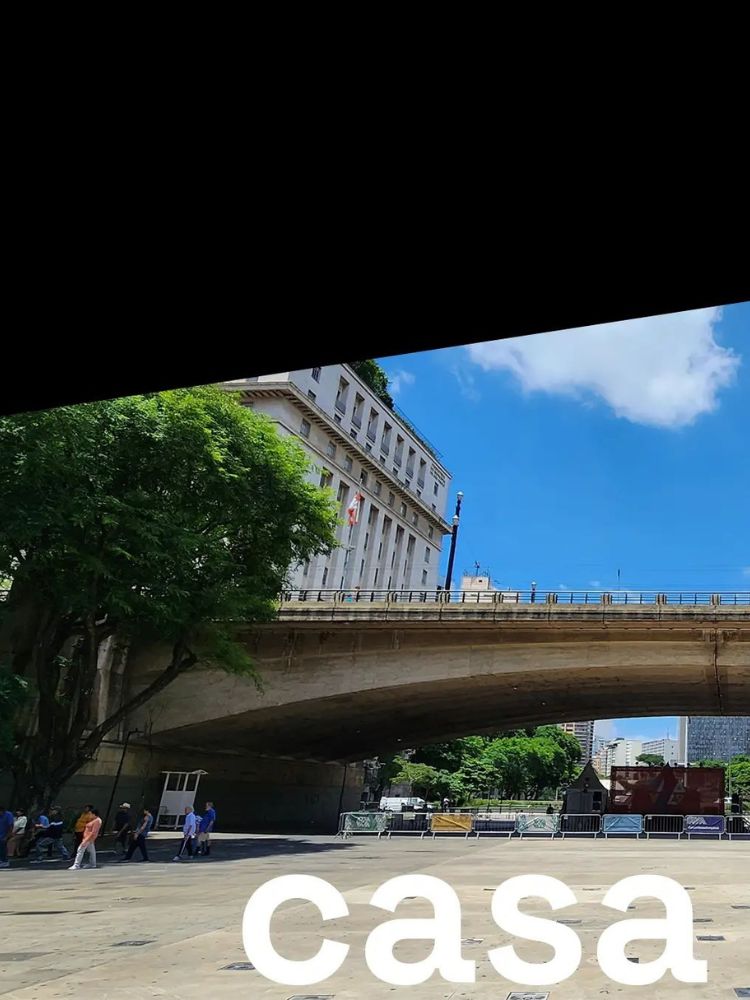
x=667, y=791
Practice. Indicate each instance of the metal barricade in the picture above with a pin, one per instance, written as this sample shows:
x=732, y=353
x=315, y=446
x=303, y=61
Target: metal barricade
x=495, y=824
x=362, y=823
x=705, y=826
x=451, y=822
x=663, y=826
x=408, y=822
x=738, y=827
x=583, y=824
x=621, y=825
x=537, y=824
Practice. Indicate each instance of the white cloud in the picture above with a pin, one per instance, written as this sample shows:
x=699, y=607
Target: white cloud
x=466, y=382
x=398, y=380
x=664, y=371
x=596, y=584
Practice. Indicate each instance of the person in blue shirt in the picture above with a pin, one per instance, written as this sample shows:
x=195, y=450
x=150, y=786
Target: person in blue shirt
x=6, y=828
x=51, y=837
x=205, y=829
x=188, y=834
x=142, y=830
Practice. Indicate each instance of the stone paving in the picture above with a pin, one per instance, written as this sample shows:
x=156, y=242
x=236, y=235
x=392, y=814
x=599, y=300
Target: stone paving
x=173, y=930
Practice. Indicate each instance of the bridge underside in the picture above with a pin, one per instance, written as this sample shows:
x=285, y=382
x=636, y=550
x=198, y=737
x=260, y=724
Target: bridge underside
x=349, y=693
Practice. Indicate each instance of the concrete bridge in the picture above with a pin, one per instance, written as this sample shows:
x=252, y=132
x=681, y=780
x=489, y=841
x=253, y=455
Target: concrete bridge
x=350, y=675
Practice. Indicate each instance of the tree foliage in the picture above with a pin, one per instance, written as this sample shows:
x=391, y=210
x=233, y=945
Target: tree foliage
x=375, y=377
x=517, y=765
x=652, y=759
x=167, y=516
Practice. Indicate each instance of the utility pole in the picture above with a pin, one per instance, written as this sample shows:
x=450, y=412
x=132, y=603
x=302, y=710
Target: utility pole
x=454, y=536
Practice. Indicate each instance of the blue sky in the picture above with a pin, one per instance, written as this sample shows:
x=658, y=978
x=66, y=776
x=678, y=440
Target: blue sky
x=585, y=451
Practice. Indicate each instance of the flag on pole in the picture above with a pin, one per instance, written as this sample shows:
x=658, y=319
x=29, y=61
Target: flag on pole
x=354, y=508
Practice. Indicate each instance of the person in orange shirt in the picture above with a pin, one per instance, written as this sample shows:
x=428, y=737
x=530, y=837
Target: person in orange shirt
x=85, y=817
x=90, y=833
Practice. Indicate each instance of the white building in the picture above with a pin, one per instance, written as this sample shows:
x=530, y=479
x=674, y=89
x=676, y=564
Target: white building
x=584, y=733
x=622, y=753
x=357, y=444
x=668, y=749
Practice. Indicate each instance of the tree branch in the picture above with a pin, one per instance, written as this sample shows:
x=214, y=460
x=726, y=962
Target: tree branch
x=182, y=659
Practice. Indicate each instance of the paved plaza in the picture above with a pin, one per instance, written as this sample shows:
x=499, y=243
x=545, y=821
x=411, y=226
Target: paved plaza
x=172, y=930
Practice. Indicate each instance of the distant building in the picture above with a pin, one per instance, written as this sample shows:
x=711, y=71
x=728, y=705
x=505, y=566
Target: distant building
x=481, y=585
x=709, y=737
x=584, y=733
x=622, y=753
x=666, y=748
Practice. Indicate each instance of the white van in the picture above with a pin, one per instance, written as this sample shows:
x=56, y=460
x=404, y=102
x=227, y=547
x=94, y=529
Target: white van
x=399, y=803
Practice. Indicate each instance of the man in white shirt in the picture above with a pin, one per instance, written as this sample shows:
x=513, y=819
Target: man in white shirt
x=188, y=834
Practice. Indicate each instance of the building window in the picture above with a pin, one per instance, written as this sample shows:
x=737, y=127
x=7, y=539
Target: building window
x=361, y=568
x=353, y=433
x=391, y=498
x=324, y=581
x=424, y=577
x=373, y=515
x=372, y=424
x=337, y=418
x=385, y=444
x=312, y=395
x=331, y=450
x=316, y=374
x=420, y=477
x=367, y=541
x=382, y=459
x=410, y=463
x=375, y=580
x=363, y=477
x=326, y=478
x=408, y=484
x=380, y=550
x=402, y=510
x=359, y=402
x=415, y=518
x=376, y=489
x=398, y=455
x=427, y=553
x=304, y=428
x=343, y=492
x=430, y=532
x=390, y=581
x=435, y=489
x=341, y=395
x=368, y=447
x=348, y=463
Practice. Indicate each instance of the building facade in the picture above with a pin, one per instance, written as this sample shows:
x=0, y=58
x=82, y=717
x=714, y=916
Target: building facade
x=666, y=748
x=358, y=446
x=621, y=753
x=708, y=737
x=584, y=733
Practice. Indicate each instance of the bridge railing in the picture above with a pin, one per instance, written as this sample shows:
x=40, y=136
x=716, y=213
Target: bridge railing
x=685, y=598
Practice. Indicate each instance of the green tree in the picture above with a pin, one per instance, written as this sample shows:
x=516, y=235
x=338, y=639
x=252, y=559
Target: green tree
x=375, y=377
x=428, y=781
x=161, y=517
x=652, y=759
x=568, y=743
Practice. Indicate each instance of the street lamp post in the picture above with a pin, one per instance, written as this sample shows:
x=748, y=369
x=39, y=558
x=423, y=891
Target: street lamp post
x=454, y=536
x=131, y=732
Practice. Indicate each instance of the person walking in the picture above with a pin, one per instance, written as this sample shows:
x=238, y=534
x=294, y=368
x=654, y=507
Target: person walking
x=123, y=827
x=142, y=830
x=85, y=817
x=188, y=832
x=205, y=829
x=52, y=837
x=90, y=833
x=19, y=829
x=6, y=829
